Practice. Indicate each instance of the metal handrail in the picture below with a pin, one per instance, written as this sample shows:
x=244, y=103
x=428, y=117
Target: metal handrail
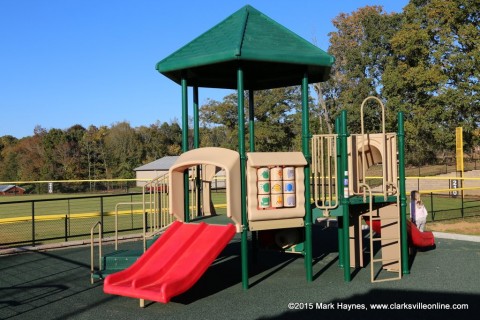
x=92, y=267
x=384, y=167
x=154, y=197
x=324, y=168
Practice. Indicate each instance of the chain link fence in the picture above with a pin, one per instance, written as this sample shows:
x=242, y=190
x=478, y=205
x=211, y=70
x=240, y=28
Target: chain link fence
x=64, y=219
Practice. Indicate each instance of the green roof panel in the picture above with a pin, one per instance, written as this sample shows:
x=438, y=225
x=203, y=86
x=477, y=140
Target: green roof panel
x=270, y=55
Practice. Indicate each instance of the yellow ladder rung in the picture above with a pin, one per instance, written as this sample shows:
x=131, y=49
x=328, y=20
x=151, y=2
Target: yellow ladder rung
x=384, y=218
x=387, y=279
x=386, y=239
x=388, y=260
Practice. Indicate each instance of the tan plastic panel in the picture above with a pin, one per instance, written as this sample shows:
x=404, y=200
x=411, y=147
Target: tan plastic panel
x=390, y=243
x=390, y=222
x=208, y=172
x=276, y=224
x=356, y=241
x=373, y=155
x=273, y=217
x=265, y=159
x=219, y=157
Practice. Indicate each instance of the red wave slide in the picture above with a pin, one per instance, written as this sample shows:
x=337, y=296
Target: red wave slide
x=173, y=264
x=416, y=237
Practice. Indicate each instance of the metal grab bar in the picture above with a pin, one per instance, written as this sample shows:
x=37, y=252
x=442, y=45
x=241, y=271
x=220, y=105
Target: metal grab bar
x=92, y=268
x=324, y=168
x=384, y=149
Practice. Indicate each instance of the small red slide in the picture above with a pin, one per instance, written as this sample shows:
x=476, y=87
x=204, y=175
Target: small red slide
x=173, y=263
x=416, y=237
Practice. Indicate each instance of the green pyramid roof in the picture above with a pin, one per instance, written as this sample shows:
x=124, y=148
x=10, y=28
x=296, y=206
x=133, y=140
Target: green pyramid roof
x=270, y=55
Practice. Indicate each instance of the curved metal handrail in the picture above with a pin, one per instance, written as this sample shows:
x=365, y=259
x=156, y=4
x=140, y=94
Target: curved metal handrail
x=384, y=168
x=92, y=267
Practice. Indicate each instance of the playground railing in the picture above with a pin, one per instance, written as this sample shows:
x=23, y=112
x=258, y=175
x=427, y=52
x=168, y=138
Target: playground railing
x=92, y=249
x=324, y=170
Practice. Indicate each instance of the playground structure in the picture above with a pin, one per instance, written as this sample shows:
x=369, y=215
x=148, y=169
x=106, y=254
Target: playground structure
x=268, y=194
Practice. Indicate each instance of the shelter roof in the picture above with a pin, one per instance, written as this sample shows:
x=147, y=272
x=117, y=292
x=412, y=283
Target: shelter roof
x=5, y=188
x=270, y=55
x=160, y=164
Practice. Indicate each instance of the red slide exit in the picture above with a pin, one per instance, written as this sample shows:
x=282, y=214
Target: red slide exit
x=173, y=263
x=416, y=237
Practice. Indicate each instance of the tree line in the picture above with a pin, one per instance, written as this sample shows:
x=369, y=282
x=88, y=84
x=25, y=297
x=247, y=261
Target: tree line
x=92, y=153
x=423, y=61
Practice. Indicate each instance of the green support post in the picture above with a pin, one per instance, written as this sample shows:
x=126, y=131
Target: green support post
x=243, y=176
x=196, y=121
x=403, y=193
x=196, y=144
x=251, y=120
x=251, y=131
x=344, y=198
x=185, y=146
x=339, y=191
x=306, y=152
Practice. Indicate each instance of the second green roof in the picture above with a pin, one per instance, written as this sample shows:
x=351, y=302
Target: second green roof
x=270, y=55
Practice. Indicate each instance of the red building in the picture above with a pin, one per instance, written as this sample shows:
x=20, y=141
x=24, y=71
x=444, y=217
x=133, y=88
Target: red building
x=11, y=190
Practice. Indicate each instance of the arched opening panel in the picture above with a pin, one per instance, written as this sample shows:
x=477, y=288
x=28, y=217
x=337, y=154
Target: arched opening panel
x=370, y=150
x=209, y=158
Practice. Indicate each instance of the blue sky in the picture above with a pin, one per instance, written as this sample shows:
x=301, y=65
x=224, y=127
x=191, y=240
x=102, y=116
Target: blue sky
x=92, y=62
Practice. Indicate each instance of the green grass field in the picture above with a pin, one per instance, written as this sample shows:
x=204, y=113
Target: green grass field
x=21, y=206
x=64, y=216
x=71, y=217
x=446, y=208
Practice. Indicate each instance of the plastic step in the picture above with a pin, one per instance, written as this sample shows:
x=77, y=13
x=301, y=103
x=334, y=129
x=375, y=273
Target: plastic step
x=120, y=259
x=319, y=213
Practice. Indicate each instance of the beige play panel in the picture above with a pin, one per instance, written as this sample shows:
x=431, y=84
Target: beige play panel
x=275, y=190
x=227, y=159
x=367, y=150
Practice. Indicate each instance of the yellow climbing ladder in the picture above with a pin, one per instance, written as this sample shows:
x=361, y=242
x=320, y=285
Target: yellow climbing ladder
x=388, y=257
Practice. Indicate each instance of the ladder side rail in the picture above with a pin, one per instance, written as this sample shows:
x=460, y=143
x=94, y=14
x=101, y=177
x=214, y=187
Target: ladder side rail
x=384, y=168
x=100, y=236
x=372, y=240
x=314, y=177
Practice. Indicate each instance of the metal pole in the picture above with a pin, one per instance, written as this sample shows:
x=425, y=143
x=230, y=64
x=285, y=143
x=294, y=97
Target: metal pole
x=186, y=203
x=251, y=131
x=241, y=150
x=101, y=213
x=339, y=191
x=33, y=223
x=432, y=213
x=344, y=197
x=196, y=129
x=66, y=228
x=306, y=152
x=68, y=212
x=196, y=144
x=251, y=120
x=403, y=194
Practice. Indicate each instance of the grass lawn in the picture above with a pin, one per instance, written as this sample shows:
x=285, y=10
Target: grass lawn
x=467, y=226
x=73, y=216
x=21, y=206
